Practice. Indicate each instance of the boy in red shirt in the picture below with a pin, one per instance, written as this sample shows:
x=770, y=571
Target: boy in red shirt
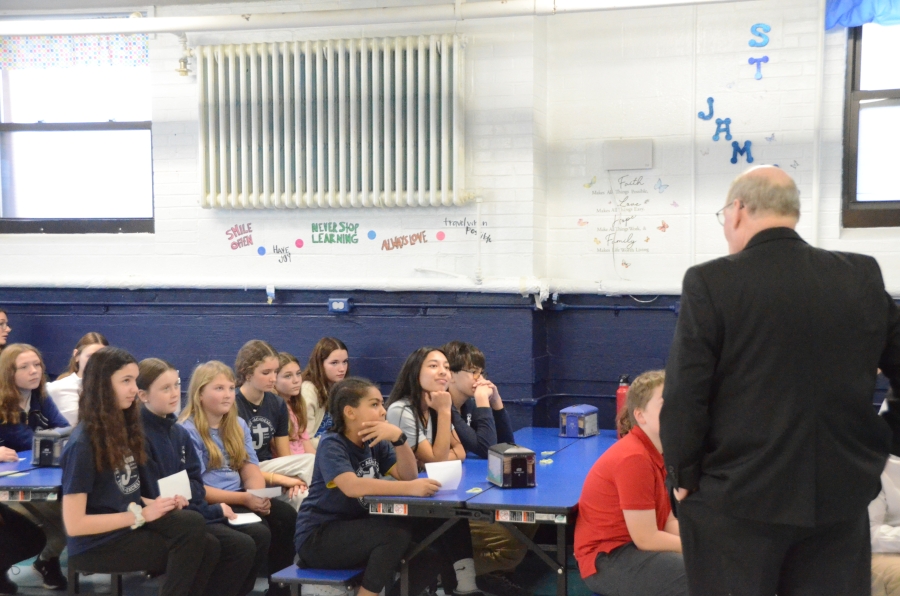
x=626, y=538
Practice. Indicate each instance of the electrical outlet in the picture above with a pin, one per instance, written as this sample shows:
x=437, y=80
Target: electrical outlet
x=340, y=304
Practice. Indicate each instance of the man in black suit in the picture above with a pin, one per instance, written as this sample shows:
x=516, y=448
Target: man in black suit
x=768, y=431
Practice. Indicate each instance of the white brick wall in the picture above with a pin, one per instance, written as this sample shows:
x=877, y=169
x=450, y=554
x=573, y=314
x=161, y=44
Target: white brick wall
x=542, y=95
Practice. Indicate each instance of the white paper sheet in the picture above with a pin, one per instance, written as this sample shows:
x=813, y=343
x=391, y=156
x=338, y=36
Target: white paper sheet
x=266, y=493
x=244, y=519
x=448, y=473
x=176, y=484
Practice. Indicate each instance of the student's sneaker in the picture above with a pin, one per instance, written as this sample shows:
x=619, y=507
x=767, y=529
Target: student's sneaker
x=498, y=584
x=53, y=578
x=7, y=586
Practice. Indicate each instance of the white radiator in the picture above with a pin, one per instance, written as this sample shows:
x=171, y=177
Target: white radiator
x=340, y=123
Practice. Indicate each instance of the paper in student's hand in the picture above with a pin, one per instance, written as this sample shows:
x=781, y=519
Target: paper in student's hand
x=448, y=473
x=266, y=493
x=177, y=484
x=244, y=519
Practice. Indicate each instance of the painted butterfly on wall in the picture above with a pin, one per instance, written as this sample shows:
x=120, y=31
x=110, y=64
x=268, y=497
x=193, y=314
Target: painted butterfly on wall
x=626, y=264
x=591, y=183
x=674, y=204
x=663, y=227
x=772, y=138
x=581, y=222
x=660, y=186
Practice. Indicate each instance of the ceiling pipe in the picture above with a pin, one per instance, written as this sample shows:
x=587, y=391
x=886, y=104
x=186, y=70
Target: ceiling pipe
x=456, y=11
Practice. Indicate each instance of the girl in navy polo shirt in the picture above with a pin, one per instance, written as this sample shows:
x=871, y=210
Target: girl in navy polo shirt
x=109, y=530
x=626, y=538
x=334, y=528
x=169, y=451
x=25, y=408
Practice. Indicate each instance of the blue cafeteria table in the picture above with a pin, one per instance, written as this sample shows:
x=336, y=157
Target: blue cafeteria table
x=24, y=464
x=552, y=501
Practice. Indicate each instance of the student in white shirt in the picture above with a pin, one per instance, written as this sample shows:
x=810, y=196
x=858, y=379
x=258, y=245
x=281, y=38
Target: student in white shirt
x=66, y=389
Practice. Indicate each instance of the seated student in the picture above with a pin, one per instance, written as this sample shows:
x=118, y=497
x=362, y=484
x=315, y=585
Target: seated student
x=66, y=389
x=329, y=362
x=481, y=421
x=169, y=450
x=4, y=328
x=884, y=524
x=334, y=528
x=20, y=539
x=479, y=417
x=108, y=528
x=267, y=417
x=24, y=408
x=421, y=407
x=287, y=387
x=228, y=463
x=626, y=538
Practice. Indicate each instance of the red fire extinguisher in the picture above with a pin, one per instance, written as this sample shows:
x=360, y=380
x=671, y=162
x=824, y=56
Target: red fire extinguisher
x=621, y=393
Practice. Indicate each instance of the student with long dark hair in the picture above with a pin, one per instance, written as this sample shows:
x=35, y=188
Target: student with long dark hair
x=329, y=362
x=110, y=527
x=334, y=528
x=423, y=409
x=169, y=451
x=25, y=408
x=66, y=389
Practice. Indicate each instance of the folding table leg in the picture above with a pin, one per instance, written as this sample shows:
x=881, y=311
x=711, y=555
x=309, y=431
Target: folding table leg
x=562, y=578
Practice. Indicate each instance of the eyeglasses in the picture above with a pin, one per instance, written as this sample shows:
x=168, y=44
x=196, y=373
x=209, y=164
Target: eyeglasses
x=4, y=325
x=475, y=372
x=720, y=214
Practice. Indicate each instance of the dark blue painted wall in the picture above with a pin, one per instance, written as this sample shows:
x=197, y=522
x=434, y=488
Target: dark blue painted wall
x=572, y=351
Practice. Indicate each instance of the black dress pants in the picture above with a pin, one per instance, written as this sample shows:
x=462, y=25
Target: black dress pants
x=725, y=555
x=177, y=543
x=378, y=544
x=20, y=538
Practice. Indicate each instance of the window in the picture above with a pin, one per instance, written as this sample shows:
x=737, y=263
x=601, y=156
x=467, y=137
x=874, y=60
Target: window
x=75, y=139
x=871, y=194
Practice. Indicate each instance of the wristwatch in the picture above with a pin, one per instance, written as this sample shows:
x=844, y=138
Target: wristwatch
x=400, y=441
x=138, y=512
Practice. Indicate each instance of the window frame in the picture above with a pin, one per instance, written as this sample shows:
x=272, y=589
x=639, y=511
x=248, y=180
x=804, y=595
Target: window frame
x=135, y=225
x=860, y=214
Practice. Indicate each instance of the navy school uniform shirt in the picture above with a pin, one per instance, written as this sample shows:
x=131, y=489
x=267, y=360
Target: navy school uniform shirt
x=170, y=450
x=109, y=491
x=335, y=455
x=266, y=421
x=479, y=429
x=42, y=414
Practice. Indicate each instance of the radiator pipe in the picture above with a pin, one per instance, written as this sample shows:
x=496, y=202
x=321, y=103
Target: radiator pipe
x=456, y=11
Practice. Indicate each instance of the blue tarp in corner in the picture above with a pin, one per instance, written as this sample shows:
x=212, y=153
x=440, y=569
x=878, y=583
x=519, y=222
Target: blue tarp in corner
x=853, y=13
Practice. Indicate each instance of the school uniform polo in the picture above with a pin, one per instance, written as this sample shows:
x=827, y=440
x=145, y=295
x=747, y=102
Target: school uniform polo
x=630, y=475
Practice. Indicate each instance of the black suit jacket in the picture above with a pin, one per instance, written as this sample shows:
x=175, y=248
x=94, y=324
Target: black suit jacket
x=768, y=396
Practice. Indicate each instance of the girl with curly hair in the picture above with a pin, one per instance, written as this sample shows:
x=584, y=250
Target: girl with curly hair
x=111, y=528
